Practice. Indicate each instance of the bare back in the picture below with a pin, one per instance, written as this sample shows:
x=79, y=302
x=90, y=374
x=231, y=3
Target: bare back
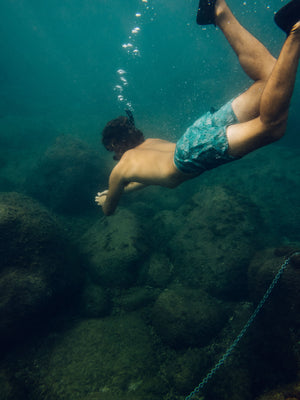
x=151, y=163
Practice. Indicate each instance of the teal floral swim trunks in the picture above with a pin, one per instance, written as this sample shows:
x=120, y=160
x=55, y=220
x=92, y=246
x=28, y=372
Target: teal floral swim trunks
x=204, y=145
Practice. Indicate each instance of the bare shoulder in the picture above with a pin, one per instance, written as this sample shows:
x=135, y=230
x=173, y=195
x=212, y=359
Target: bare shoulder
x=156, y=145
x=127, y=165
x=156, y=141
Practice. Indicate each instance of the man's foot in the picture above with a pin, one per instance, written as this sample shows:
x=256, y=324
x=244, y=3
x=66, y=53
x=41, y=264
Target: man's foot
x=288, y=15
x=206, y=12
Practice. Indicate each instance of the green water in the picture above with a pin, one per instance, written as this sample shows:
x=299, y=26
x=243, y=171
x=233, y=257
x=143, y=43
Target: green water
x=146, y=301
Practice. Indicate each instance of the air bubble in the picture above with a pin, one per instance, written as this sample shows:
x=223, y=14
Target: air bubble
x=136, y=30
x=131, y=47
x=126, y=45
x=124, y=81
x=129, y=105
x=118, y=88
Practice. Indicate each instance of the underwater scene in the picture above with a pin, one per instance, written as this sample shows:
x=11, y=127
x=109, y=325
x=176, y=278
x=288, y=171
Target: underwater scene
x=183, y=293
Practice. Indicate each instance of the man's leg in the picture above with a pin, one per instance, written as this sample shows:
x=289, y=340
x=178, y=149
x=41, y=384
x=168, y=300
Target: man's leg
x=254, y=58
x=270, y=125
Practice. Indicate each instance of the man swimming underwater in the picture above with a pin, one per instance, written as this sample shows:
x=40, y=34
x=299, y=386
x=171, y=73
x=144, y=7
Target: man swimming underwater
x=252, y=120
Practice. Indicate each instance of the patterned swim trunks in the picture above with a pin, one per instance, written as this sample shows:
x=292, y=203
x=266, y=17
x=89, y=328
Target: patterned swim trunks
x=204, y=145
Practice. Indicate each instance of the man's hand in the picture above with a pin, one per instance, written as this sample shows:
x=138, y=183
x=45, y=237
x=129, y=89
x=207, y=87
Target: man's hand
x=101, y=197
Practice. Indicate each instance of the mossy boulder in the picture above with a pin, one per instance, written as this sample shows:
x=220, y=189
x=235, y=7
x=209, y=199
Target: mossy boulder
x=111, y=358
x=68, y=176
x=185, y=317
x=95, y=301
x=134, y=299
x=115, y=248
x=284, y=303
x=286, y=392
x=38, y=265
x=216, y=240
x=276, y=357
x=270, y=178
x=8, y=391
x=157, y=271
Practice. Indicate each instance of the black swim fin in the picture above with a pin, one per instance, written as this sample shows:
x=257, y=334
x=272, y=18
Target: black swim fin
x=288, y=15
x=206, y=12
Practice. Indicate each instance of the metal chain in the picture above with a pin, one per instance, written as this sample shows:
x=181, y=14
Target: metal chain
x=243, y=331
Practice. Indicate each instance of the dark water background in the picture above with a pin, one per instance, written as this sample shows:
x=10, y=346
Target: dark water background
x=58, y=76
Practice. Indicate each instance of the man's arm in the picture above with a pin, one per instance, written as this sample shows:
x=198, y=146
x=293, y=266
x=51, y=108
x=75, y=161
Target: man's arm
x=130, y=187
x=119, y=182
x=133, y=186
x=114, y=192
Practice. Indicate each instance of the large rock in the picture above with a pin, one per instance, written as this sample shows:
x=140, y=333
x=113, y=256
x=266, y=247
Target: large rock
x=94, y=301
x=102, y=359
x=185, y=317
x=270, y=178
x=68, y=176
x=284, y=303
x=114, y=248
x=8, y=391
x=277, y=328
x=214, y=241
x=287, y=392
x=157, y=271
x=134, y=299
x=37, y=265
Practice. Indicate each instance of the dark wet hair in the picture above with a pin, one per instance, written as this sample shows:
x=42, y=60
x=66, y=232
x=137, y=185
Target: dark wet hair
x=121, y=134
